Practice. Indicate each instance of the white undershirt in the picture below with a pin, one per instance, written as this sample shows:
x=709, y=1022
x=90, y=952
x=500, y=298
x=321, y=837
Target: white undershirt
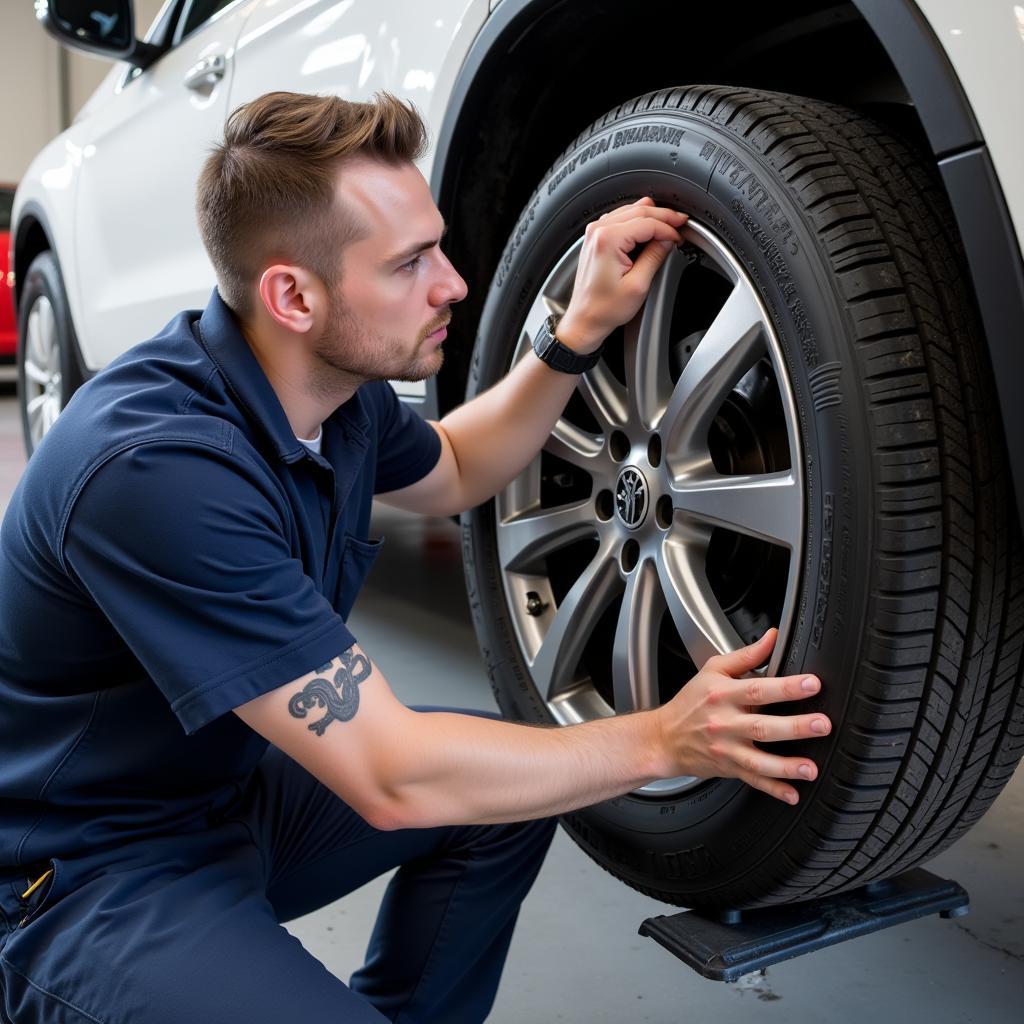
x=314, y=443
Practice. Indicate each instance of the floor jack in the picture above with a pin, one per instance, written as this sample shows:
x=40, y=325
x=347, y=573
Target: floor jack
x=726, y=944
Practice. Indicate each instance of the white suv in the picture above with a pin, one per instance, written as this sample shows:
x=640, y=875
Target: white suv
x=814, y=419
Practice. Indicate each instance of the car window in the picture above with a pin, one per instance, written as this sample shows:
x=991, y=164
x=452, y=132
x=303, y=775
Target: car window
x=6, y=202
x=196, y=13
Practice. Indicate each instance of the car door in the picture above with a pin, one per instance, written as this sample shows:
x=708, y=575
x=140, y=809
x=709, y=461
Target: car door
x=137, y=242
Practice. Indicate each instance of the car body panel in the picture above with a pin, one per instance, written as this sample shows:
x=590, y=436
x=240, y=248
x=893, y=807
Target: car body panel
x=984, y=42
x=133, y=185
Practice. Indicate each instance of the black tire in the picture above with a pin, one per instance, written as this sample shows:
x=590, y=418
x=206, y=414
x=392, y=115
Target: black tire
x=911, y=607
x=44, y=285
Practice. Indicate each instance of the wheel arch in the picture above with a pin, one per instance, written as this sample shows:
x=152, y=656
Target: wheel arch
x=32, y=236
x=502, y=128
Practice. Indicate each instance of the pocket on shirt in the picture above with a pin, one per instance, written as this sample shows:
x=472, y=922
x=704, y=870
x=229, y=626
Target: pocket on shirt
x=357, y=558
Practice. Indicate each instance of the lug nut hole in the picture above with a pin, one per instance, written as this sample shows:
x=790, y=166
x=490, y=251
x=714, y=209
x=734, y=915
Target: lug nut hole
x=618, y=445
x=604, y=505
x=663, y=512
x=654, y=451
x=630, y=555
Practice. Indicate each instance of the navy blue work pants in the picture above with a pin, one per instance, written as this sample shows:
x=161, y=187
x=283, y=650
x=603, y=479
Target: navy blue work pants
x=187, y=928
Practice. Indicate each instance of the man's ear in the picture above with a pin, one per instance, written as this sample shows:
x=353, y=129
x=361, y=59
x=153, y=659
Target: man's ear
x=293, y=297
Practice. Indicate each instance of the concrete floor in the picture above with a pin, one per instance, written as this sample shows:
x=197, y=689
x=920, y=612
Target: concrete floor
x=576, y=955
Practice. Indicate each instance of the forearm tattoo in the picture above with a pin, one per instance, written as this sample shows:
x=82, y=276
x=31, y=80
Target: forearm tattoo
x=354, y=669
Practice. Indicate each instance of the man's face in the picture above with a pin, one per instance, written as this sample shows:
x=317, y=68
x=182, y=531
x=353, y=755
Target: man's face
x=388, y=313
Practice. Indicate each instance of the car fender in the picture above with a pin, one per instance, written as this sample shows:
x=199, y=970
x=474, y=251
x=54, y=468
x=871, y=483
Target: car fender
x=44, y=205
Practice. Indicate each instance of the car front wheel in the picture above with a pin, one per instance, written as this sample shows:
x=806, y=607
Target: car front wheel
x=799, y=430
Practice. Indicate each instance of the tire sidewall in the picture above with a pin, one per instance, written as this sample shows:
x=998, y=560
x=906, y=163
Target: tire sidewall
x=44, y=280
x=699, y=840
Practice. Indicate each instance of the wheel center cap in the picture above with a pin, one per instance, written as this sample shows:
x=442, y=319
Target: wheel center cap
x=632, y=496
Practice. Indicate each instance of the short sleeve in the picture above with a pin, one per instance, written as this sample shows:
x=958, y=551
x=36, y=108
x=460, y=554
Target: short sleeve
x=185, y=550
x=408, y=447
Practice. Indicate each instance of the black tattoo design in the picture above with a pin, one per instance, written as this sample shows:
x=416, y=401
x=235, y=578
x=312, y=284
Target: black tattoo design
x=354, y=669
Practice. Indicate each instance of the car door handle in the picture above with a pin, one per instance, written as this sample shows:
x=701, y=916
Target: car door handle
x=206, y=73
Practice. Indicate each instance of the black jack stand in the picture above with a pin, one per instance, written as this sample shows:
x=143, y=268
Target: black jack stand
x=724, y=945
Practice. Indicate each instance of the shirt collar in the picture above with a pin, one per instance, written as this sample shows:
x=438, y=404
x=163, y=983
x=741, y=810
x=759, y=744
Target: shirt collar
x=220, y=336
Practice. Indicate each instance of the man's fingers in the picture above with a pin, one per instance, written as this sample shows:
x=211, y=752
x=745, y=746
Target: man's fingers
x=746, y=659
x=766, y=771
x=780, y=728
x=777, y=689
x=638, y=230
x=624, y=214
x=780, y=790
x=646, y=265
x=628, y=234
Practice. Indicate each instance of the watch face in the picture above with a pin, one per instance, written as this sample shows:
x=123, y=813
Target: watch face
x=542, y=342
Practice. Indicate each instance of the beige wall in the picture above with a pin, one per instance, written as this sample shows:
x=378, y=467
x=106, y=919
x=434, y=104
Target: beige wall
x=30, y=82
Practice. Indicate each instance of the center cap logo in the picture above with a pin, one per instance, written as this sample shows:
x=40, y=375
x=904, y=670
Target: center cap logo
x=631, y=498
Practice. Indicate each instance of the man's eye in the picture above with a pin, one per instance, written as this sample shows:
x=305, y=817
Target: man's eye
x=412, y=264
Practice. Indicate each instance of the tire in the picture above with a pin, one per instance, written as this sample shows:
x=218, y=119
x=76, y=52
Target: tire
x=49, y=370
x=892, y=566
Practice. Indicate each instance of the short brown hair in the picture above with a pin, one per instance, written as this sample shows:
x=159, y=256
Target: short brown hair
x=268, y=191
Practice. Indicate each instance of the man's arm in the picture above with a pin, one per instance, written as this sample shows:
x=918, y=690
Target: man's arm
x=488, y=441
x=405, y=769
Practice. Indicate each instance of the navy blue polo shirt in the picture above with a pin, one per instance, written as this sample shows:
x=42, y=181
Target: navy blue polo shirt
x=171, y=552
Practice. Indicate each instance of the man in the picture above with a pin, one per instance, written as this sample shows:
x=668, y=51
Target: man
x=178, y=563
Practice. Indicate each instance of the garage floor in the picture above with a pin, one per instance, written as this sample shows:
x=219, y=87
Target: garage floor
x=576, y=955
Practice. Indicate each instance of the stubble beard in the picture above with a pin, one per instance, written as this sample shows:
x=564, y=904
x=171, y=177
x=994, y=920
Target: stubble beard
x=349, y=354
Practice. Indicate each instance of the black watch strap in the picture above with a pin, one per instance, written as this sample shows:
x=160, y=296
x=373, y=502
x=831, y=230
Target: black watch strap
x=558, y=356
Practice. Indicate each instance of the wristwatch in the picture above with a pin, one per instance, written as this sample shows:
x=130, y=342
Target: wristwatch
x=558, y=356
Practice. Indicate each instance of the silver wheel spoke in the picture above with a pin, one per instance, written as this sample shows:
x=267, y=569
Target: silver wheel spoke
x=573, y=623
x=766, y=506
x=702, y=625
x=579, y=448
x=732, y=344
x=532, y=535
x=635, y=656
x=51, y=409
x=605, y=396
x=648, y=380
x=35, y=373
x=36, y=410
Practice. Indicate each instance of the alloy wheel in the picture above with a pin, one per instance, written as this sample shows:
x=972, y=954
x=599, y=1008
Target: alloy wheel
x=44, y=394
x=663, y=521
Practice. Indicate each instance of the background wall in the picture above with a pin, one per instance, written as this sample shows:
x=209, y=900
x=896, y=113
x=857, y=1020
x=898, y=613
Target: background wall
x=30, y=82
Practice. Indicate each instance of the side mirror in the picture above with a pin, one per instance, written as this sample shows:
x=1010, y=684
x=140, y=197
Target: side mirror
x=103, y=27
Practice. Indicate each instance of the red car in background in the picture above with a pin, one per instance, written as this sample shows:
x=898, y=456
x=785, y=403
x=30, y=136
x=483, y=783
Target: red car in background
x=8, y=327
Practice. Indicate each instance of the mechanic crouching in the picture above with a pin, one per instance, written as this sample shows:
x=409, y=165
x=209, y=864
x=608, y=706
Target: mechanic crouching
x=195, y=747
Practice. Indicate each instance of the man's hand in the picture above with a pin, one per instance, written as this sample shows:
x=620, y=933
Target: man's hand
x=709, y=728
x=610, y=287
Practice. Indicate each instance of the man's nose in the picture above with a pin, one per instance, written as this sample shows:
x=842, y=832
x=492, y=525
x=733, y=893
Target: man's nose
x=450, y=287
